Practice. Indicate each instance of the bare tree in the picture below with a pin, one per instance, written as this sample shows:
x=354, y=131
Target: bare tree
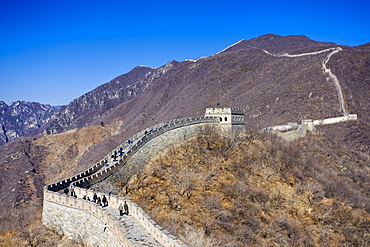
x=197, y=238
x=22, y=217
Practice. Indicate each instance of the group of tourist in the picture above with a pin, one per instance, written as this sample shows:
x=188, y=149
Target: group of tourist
x=103, y=202
x=70, y=191
x=115, y=155
x=96, y=199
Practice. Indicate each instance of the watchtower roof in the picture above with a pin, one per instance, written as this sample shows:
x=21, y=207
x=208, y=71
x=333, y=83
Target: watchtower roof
x=225, y=110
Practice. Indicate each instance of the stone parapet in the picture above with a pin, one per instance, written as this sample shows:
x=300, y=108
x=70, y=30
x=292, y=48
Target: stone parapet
x=101, y=170
x=81, y=221
x=77, y=207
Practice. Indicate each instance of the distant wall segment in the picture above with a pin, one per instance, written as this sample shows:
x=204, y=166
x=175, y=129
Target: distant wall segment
x=293, y=131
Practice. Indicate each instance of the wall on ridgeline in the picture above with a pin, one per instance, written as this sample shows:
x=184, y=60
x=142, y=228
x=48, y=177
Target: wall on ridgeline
x=293, y=131
x=335, y=119
x=304, y=128
x=66, y=214
x=139, y=140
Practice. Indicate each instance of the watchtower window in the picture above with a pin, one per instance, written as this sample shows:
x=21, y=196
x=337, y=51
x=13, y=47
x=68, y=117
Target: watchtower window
x=220, y=119
x=225, y=118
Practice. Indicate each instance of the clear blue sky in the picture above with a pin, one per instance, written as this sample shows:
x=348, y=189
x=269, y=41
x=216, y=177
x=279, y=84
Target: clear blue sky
x=55, y=51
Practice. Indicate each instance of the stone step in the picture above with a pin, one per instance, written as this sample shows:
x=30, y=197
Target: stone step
x=132, y=229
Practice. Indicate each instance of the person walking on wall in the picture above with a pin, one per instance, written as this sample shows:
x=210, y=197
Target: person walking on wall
x=126, y=208
x=72, y=191
x=104, y=201
x=98, y=201
x=120, y=208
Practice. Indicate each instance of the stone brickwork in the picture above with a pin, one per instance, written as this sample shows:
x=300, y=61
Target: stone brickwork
x=89, y=223
x=80, y=226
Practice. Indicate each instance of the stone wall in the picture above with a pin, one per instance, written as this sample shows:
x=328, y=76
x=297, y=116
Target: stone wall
x=335, y=119
x=100, y=170
x=293, y=131
x=83, y=221
x=306, y=126
x=86, y=222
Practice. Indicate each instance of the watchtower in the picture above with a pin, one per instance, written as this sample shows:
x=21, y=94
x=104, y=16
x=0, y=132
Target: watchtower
x=230, y=118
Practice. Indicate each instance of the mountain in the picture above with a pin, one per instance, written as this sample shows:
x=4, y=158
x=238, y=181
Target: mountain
x=91, y=107
x=249, y=74
x=20, y=117
x=271, y=90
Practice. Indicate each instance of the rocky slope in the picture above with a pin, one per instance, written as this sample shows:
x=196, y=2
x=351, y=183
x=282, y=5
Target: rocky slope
x=20, y=117
x=272, y=91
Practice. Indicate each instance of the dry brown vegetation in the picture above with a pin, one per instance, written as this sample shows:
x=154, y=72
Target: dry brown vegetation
x=28, y=164
x=253, y=190
x=24, y=229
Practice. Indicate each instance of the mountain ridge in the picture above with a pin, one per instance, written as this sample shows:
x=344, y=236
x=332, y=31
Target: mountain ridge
x=276, y=43
x=20, y=117
x=89, y=108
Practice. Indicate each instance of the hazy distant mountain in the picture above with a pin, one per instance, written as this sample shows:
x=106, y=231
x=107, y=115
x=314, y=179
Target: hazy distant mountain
x=18, y=118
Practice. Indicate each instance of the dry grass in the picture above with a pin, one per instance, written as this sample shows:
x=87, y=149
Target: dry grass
x=257, y=190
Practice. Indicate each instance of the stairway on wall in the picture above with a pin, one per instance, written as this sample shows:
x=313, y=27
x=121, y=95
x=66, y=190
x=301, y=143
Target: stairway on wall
x=133, y=230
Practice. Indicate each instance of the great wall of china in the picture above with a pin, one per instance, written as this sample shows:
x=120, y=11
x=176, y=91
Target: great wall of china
x=93, y=225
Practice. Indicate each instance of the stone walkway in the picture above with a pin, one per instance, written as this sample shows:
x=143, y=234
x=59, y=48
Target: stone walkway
x=132, y=229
